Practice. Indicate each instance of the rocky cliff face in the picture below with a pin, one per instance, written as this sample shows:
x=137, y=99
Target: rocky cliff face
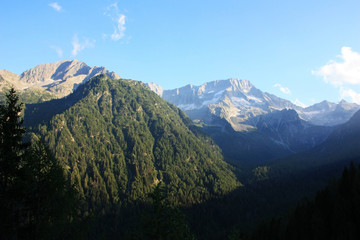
x=59, y=78
x=287, y=129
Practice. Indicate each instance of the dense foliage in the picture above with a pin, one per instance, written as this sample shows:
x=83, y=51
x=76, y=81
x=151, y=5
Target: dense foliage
x=118, y=140
x=332, y=214
x=36, y=200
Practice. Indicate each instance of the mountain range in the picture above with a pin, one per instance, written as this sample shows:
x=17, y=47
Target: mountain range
x=235, y=100
x=239, y=101
x=249, y=125
x=252, y=126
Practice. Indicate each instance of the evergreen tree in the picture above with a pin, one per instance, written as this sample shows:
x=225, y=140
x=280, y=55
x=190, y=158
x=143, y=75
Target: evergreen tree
x=11, y=133
x=36, y=201
x=11, y=151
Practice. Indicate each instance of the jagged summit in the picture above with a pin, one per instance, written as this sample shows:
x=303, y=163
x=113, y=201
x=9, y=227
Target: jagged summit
x=59, y=78
x=235, y=100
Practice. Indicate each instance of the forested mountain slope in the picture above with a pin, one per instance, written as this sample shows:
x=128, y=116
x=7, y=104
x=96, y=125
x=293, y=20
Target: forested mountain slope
x=118, y=140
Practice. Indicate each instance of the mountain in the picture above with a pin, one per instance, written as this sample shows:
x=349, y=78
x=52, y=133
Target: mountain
x=239, y=101
x=58, y=79
x=275, y=187
x=339, y=148
x=234, y=100
x=255, y=127
x=118, y=140
x=278, y=134
x=328, y=114
x=342, y=143
x=286, y=128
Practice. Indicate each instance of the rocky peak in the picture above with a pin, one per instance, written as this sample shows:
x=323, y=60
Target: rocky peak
x=60, y=78
x=322, y=106
x=70, y=68
x=346, y=105
x=40, y=73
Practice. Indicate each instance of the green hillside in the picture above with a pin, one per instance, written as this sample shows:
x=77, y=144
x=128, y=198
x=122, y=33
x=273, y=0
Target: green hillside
x=118, y=140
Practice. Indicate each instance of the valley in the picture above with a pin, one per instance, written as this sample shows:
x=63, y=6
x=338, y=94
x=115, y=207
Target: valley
x=224, y=154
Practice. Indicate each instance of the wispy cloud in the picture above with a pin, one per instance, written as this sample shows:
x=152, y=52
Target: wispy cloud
x=282, y=88
x=339, y=73
x=119, y=31
x=79, y=46
x=119, y=21
x=55, y=6
x=58, y=50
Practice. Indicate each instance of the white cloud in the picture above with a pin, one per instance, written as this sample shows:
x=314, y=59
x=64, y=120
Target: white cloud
x=118, y=19
x=339, y=73
x=350, y=93
x=55, y=6
x=119, y=31
x=79, y=46
x=282, y=89
x=58, y=50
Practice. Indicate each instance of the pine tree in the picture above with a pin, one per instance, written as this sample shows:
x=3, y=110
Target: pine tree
x=36, y=200
x=11, y=151
x=11, y=134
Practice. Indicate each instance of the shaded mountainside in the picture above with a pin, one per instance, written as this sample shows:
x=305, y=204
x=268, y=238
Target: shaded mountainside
x=273, y=188
x=118, y=140
x=342, y=145
x=278, y=134
x=289, y=130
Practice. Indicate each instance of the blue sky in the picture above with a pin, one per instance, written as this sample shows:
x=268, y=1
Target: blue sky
x=305, y=51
